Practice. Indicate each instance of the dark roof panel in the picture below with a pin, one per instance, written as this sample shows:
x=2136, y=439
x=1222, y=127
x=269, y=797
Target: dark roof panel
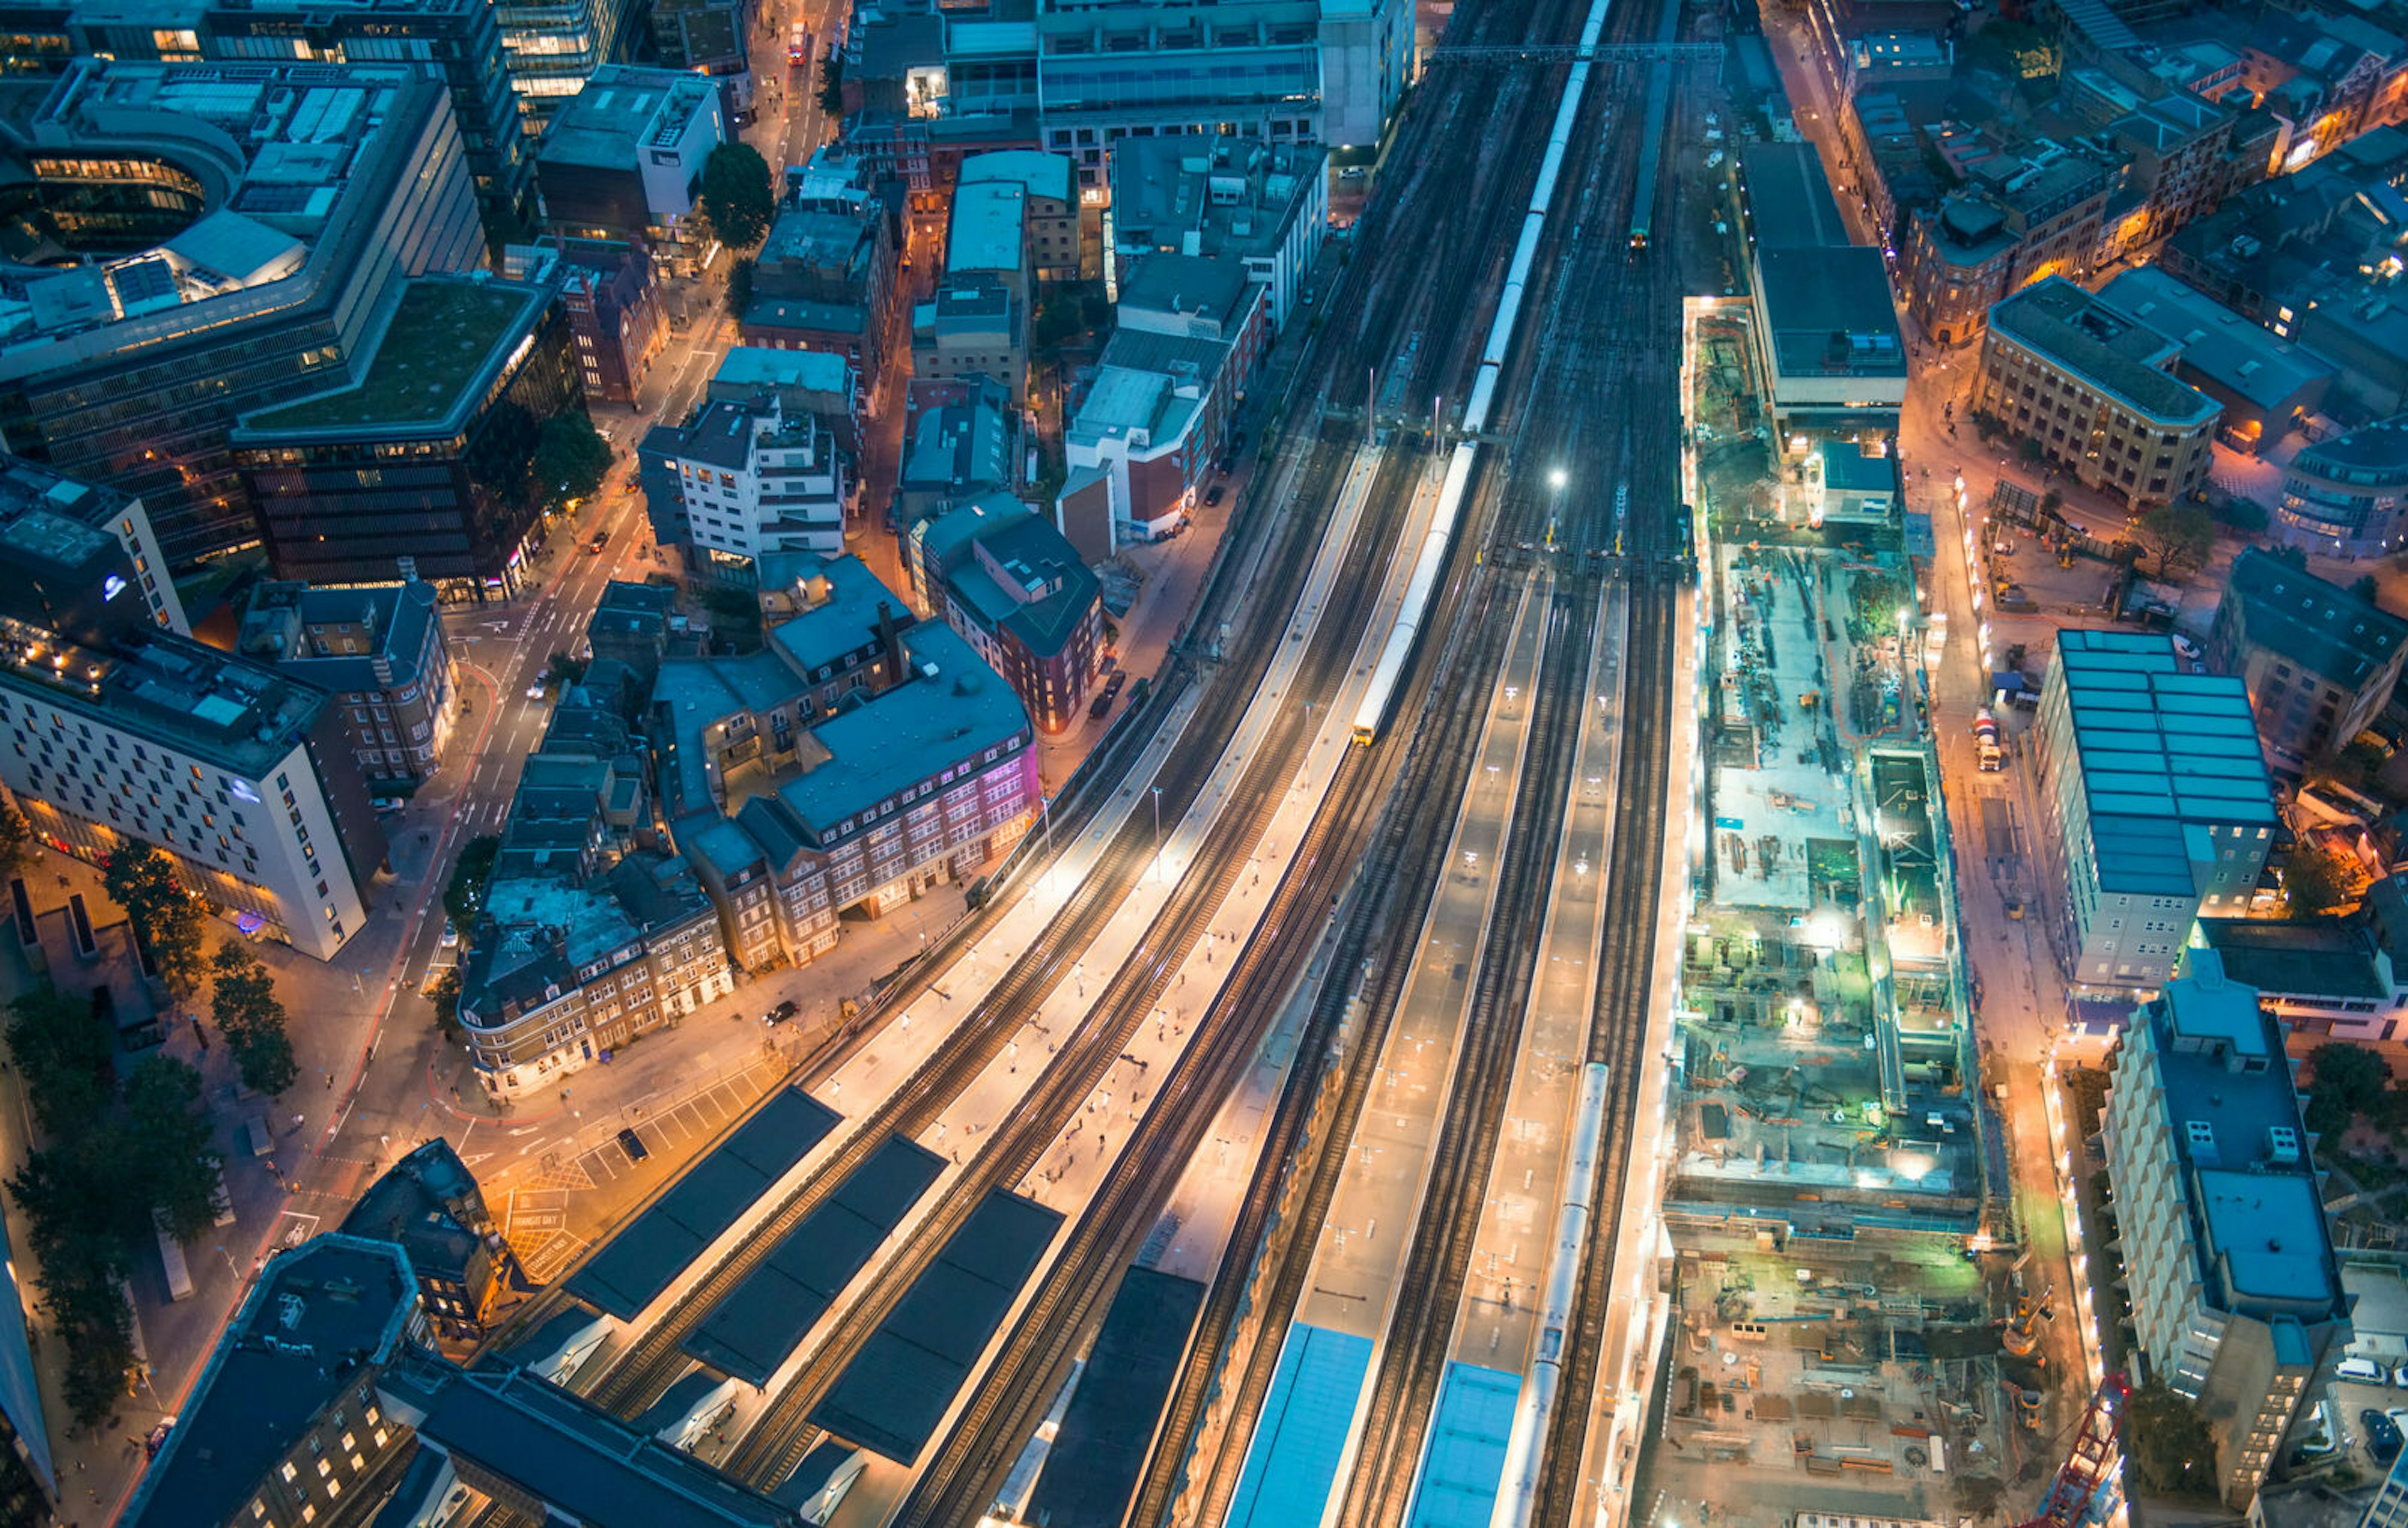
x=1092, y=1469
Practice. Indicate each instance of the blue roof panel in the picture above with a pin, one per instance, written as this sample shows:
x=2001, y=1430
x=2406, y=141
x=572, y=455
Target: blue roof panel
x=1302, y=1430
x=1464, y=1462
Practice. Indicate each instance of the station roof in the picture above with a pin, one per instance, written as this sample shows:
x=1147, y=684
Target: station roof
x=749, y=1334
x=633, y=1267
x=1303, y=1428
x=1464, y=1462
x=1092, y=1469
x=2162, y=754
x=905, y=1376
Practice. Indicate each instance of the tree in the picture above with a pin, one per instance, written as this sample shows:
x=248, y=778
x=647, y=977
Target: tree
x=158, y=1153
x=82, y=1258
x=2178, y=534
x=2349, y=1080
x=17, y=845
x=165, y=918
x=570, y=458
x=2317, y=880
x=736, y=194
x=445, y=995
x=65, y=1050
x=739, y=285
x=565, y=669
x=2365, y=587
x=252, y=1020
x=2289, y=556
x=832, y=85
x=2170, y=1446
x=464, y=894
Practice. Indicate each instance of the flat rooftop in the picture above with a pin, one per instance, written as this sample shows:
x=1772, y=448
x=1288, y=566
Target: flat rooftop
x=1091, y=1471
x=447, y=336
x=611, y=120
x=2107, y=348
x=1828, y=312
x=317, y=1314
x=1789, y=199
x=240, y=716
x=2245, y=358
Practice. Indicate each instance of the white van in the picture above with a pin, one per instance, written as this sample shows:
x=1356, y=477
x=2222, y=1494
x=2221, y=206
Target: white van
x=2365, y=1371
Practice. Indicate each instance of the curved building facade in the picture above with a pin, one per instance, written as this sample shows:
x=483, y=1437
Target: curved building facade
x=2348, y=497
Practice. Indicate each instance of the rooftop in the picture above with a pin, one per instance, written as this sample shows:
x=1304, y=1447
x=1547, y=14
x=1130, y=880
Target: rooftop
x=760, y=367
x=392, y=620
x=316, y=1315
x=1830, y=312
x=447, y=336
x=819, y=238
x=1045, y=175
x=959, y=447
x=1204, y=286
x=2164, y=754
x=2106, y=347
x=242, y=716
x=989, y=228
x=2321, y=626
x=2246, y=359
x=2377, y=451
x=1197, y=195
x=2319, y=958
x=621, y=109
x=1789, y=198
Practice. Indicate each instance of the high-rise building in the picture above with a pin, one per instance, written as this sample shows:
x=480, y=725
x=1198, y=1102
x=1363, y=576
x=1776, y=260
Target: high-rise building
x=623, y=160
x=750, y=480
x=32, y=493
x=555, y=45
x=2156, y=798
x=2236, y=1295
x=241, y=229
x=421, y=467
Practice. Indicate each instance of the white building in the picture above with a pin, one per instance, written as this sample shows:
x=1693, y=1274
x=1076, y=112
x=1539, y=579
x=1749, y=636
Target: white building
x=2160, y=811
x=754, y=478
x=2235, y=1293
x=1264, y=206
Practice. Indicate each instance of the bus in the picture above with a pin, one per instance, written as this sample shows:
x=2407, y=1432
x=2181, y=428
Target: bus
x=798, y=46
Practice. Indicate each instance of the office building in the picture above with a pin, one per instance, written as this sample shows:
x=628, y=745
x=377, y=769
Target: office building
x=1263, y=204
x=748, y=479
x=2028, y=212
x=2156, y=803
x=2092, y=386
x=2319, y=662
x=972, y=327
x=958, y=444
x=32, y=496
x=825, y=280
x=428, y=1205
x=1048, y=188
x=2176, y=148
x=242, y=775
x=800, y=381
x=2267, y=385
x=614, y=307
x=711, y=37
x=2343, y=496
x=421, y=467
x=857, y=761
x=2235, y=1293
x=1825, y=327
x=2390, y=1507
x=287, y=1420
x=378, y=650
x=622, y=161
x=278, y=206
x=1018, y=592
x=556, y=46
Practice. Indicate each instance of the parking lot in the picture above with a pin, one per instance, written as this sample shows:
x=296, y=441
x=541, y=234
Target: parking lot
x=2371, y=1417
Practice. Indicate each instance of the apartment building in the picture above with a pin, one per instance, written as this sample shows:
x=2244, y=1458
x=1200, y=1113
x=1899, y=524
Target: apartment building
x=2318, y=661
x=2023, y=214
x=281, y=205
x=1262, y=203
x=748, y=479
x=286, y=1424
x=420, y=468
x=38, y=504
x=858, y=761
x=2235, y=1292
x=428, y=1205
x=1048, y=185
x=1016, y=590
x=827, y=280
x=244, y=776
x=379, y=652
x=2347, y=496
x=2092, y=386
x=2157, y=805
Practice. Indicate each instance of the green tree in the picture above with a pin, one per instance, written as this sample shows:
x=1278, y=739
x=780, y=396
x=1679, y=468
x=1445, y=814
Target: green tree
x=252, y=1019
x=158, y=1153
x=18, y=846
x=2317, y=880
x=2347, y=1081
x=832, y=85
x=736, y=194
x=445, y=995
x=2365, y=587
x=64, y=1051
x=570, y=458
x=2289, y=556
x=82, y=1258
x=739, y=285
x=565, y=669
x=166, y=918
x=2179, y=535
x=2171, y=1447
x=464, y=894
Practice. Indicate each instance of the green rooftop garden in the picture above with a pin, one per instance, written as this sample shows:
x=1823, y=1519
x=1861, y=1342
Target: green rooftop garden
x=437, y=342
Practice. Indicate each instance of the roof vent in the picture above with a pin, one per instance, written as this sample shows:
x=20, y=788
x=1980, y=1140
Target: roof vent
x=2282, y=1145
x=2202, y=1136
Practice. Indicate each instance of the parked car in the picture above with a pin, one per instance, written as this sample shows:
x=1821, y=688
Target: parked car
x=450, y=935
x=781, y=1013
x=2383, y=1439
x=1213, y=496
x=386, y=803
x=633, y=1144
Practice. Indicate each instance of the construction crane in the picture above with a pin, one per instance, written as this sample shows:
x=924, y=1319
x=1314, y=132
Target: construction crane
x=2073, y=1499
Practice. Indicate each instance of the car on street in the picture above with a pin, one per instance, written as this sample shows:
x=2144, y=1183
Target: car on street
x=450, y=935
x=1214, y=496
x=535, y=692
x=781, y=1013
x=601, y=539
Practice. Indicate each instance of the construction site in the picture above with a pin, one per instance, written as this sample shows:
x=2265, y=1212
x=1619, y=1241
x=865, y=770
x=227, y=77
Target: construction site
x=1851, y=1331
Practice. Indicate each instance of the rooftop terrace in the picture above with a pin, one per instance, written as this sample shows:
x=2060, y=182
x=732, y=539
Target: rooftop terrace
x=445, y=335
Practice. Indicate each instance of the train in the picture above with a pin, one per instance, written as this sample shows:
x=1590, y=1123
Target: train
x=1372, y=716
x=1524, y=1442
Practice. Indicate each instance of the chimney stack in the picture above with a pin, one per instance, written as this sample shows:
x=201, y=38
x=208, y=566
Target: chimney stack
x=890, y=636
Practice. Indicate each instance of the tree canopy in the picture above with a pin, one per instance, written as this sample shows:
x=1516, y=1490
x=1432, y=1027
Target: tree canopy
x=66, y=1052
x=2318, y=881
x=166, y=918
x=570, y=458
x=252, y=1019
x=2180, y=535
x=18, y=847
x=736, y=194
x=464, y=894
x=832, y=85
x=2350, y=1080
x=739, y=285
x=2171, y=1447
